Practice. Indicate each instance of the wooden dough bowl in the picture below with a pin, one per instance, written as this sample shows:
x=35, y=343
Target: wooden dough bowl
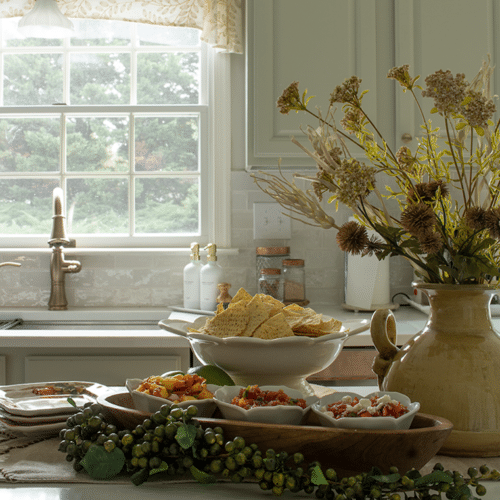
x=347, y=451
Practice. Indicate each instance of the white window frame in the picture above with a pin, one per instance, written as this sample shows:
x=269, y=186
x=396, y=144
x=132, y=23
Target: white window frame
x=215, y=151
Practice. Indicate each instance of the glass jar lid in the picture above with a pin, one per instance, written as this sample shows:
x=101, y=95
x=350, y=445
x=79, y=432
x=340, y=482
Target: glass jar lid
x=293, y=262
x=273, y=250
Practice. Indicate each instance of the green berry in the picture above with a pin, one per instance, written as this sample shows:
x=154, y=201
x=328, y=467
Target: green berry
x=481, y=490
x=484, y=469
x=239, y=442
x=192, y=411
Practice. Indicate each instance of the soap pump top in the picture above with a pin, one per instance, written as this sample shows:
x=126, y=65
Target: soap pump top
x=211, y=249
x=195, y=251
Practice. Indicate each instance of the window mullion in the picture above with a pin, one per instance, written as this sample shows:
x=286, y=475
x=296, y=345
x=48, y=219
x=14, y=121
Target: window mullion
x=131, y=183
x=62, y=160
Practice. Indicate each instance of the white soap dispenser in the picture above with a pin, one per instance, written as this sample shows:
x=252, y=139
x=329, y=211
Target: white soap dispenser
x=192, y=279
x=210, y=277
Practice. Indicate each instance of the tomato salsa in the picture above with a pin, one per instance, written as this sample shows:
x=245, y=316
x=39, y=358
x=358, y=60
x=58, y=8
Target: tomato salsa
x=253, y=396
x=177, y=388
x=374, y=407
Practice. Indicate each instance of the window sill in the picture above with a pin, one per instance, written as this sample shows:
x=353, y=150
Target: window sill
x=105, y=250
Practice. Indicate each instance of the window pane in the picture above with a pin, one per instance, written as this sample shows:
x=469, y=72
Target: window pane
x=166, y=144
x=167, y=35
x=97, y=206
x=26, y=206
x=168, y=78
x=29, y=144
x=97, y=144
x=12, y=37
x=32, y=79
x=166, y=205
x=98, y=33
x=100, y=79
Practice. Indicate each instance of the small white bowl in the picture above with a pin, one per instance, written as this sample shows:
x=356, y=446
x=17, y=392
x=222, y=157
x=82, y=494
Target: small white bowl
x=379, y=423
x=289, y=415
x=148, y=403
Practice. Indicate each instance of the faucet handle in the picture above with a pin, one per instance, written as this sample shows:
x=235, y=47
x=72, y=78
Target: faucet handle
x=58, y=234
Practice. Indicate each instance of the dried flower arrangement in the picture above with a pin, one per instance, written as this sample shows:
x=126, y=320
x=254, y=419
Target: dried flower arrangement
x=448, y=188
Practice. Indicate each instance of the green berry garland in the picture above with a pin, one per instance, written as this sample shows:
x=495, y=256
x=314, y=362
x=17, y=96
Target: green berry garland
x=172, y=441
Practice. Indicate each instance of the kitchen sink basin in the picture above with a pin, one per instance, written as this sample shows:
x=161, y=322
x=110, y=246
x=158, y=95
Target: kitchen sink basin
x=79, y=325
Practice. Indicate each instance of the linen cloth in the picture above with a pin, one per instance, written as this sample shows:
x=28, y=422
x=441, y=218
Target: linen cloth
x=28, y=460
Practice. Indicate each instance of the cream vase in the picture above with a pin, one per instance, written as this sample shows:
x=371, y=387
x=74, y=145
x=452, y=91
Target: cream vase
x=452, y=367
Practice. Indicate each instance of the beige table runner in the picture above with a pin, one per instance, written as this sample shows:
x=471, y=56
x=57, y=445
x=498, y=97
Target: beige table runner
x=23, y=460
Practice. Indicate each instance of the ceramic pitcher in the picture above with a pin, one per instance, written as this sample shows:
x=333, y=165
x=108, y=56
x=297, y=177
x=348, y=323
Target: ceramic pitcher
x=452, y=367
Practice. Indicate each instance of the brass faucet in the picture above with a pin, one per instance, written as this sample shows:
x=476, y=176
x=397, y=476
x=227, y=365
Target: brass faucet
x=10, y=264
x=58, y=265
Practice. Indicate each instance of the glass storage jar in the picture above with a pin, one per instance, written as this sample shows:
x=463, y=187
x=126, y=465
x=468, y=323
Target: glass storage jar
x=294, y=282
x=270, y=258
x=270, y=283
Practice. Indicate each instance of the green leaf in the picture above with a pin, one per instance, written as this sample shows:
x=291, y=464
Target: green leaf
x=140, y=477
x=71, y=402
x=460, y=125
x=101, y=464
x=317, y=476
x=186, y=435
x=462, y=492
x=437, y=476
x=387, y=478
x=413, y=474
x=163, y=467
x=434, y=110
x=479, y=131
x=202, y=477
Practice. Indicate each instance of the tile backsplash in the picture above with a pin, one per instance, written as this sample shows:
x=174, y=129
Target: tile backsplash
x=114, y=280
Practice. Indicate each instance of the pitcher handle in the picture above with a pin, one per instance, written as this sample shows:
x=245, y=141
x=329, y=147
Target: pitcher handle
x=383, y=333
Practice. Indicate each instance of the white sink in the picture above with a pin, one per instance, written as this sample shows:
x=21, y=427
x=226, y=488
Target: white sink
x=84, y=318
x=84, y=325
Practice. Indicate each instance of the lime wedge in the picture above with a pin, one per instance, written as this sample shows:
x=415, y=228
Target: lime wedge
x=212, y=374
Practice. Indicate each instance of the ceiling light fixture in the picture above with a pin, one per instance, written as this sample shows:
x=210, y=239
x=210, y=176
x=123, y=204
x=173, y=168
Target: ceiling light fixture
x=45, y=20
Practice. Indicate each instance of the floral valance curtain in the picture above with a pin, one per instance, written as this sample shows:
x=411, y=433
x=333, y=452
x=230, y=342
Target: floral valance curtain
x=220, y=21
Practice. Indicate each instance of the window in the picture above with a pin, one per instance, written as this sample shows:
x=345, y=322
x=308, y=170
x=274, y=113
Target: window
x=120, y=117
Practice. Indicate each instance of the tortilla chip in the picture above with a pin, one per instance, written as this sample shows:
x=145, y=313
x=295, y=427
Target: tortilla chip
x=318, y=329
x=241, y=295
x=273, y=305
x=258, y=312
x=274, y=328
x=229, y=323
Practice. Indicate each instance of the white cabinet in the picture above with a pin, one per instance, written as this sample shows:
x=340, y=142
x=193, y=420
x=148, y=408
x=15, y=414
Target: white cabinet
x=318, y=43
x=106, y=370
x=322, y=42
x=455, y=35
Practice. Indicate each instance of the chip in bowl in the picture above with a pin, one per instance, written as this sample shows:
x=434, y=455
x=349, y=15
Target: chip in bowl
x=265, y=317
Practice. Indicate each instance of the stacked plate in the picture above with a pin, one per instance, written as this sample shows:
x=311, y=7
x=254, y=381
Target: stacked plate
x=37, y=409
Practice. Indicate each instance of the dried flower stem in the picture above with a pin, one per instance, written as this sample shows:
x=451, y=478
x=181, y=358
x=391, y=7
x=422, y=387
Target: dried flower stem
x=290, y=197
x=459, y=173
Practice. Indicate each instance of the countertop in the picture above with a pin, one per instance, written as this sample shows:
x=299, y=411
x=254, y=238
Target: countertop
x=409, y=321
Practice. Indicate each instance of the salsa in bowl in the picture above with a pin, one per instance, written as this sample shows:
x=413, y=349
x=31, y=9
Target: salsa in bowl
x=379, y=410
x=271, y=404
